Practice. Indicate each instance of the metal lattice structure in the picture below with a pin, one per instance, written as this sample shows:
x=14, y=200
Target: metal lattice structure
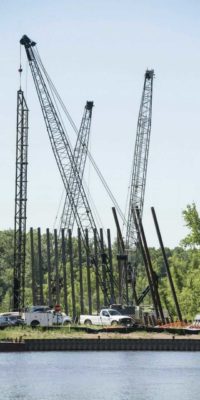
x=137, y=187
x=140, y=160
x=80, y=155
x=20, y=201
x=65, y=160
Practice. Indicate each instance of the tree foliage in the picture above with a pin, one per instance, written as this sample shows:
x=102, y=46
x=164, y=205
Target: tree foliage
x=192, y=221
x=184, y=262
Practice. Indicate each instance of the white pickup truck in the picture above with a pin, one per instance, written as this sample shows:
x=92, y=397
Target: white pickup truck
x=195, y=326
x=107, y=316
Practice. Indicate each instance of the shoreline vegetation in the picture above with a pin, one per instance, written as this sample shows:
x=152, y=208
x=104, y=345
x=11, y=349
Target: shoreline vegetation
x=78, y=295
x=19, y=334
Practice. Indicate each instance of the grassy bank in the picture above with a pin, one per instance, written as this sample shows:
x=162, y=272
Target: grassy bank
x=21, y=333
x=15, y=333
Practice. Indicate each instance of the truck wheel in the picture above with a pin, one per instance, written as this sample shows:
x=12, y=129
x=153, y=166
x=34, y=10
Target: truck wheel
x=35, y=323
x=88, y=322
x=66, y=323
x=114, y=323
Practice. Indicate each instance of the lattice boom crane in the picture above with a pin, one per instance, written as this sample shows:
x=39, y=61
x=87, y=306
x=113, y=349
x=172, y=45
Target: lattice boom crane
x=140, y=159
x=65, y=159
x=80, y=155
x=138, y=180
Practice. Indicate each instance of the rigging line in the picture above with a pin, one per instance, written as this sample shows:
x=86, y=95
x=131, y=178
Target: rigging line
x=53, y=96
x=89, y=154
x=94, y=209
x=20, y=68
x=126, y=207
x=58, y=210
x=52, y=89
x=127, y=199
x=26, y=79
x=56, y=93
x=88, y=164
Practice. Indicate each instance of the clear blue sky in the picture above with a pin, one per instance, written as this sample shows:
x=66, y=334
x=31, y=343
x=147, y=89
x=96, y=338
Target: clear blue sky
x=99, y=50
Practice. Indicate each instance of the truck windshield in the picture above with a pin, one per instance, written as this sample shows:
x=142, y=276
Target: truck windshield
x=41, y=309
x=114, y=312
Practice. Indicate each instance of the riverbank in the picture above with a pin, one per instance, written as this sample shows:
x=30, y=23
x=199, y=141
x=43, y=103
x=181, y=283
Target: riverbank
x=103, y=344
x=67, y=339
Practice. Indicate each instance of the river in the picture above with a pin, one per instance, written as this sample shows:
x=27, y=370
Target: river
x=100, y=376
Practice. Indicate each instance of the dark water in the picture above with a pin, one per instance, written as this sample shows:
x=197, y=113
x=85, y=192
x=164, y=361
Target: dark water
x=100, y=376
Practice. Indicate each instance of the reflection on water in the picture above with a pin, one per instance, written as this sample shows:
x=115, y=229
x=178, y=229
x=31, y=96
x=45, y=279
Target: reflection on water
x=100, y=376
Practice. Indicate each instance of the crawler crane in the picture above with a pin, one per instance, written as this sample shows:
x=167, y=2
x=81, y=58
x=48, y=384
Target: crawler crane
x=138, y=175
x=66, y=163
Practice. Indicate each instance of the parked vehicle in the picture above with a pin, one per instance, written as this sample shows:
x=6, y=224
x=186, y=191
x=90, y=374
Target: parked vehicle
x=66, y=320
x=5, y=321
x=38, y=318
x=38, y=309
x=195, y=326
x=107, y=316
x=15, y=318
x=45, y=316
x=197, y=320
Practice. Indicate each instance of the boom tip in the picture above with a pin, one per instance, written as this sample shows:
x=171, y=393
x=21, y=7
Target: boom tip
x=25, y=41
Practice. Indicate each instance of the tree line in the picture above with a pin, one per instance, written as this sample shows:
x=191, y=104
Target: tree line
x=184, y=262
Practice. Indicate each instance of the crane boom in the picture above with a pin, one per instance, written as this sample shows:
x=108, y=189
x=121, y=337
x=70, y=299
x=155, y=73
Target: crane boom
x=60, y=145
x=140, y=160
x=64, y=158
x=138, y=183
x=80, y=155
x=20, y=201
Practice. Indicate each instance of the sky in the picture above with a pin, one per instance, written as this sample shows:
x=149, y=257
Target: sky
x=99, y=50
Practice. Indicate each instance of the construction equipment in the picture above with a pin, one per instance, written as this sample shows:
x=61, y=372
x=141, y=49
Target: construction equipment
x=80, y=155
x=151, y=275
x=65, y=160
x=20, y=201
x=138, y=175
x=140, y=159
x=172, y=287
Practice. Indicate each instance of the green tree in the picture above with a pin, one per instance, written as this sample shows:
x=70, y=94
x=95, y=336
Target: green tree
x=192, y=220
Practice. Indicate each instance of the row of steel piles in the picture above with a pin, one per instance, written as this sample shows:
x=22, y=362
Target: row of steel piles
x=63, y=286
x=151, y=275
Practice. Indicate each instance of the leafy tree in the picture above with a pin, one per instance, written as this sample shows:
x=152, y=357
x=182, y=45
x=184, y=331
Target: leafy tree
x=192, y=220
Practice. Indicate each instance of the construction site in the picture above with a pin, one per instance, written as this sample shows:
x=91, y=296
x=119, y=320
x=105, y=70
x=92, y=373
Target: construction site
x=100, y=212
x=80, y=267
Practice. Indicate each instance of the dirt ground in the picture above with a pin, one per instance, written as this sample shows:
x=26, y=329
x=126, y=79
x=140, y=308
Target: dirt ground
x=133, y=335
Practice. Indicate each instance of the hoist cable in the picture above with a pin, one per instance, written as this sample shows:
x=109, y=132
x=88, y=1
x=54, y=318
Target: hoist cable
x=76, y=131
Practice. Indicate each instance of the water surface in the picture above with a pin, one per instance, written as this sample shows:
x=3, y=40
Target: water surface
x=100, y=375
